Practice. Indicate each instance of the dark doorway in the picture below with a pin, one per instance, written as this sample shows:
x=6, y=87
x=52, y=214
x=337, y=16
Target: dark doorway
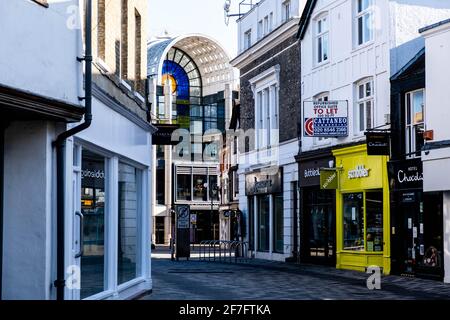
x=159, y=230
x=318, y=225
x=418, y=238
x=206, y=225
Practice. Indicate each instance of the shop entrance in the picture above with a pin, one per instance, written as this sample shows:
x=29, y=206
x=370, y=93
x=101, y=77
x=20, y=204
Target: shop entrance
x=318, y=226
x=419, y=238
x=206, y=226
x=159, y=230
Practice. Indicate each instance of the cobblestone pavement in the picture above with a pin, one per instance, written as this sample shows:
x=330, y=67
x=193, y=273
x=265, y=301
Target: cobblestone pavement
x=262, y=280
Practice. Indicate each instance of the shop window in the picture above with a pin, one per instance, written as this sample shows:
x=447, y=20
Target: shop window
x=374, y=224
x=322, y=37
x=364, y=106
x=93, y=199
x=278, y=216
x=263, y=222
x=128, y=238
x=414, y=122
x=364, y=21
x=354, y=221
x=200, y=189
x=184, y=186
x=363, y=221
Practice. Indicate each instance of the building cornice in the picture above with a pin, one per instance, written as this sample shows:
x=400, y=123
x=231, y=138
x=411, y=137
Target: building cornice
x=273, y=39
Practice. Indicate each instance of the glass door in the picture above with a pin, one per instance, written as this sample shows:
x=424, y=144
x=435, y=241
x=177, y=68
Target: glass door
x=93, y=198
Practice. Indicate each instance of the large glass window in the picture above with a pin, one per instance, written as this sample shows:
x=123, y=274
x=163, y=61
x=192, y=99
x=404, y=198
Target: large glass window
x=354, y=221
x=263, y=222
x=363, y=221
x=200, y=188
x=93, y=198
x=184, y=186
x=364, y=17
x=374, y=224
x=278, y=232
x=128, y=240
x=414, y=122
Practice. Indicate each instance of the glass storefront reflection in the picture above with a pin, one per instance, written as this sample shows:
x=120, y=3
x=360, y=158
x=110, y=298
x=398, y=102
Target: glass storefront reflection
x=93, y=208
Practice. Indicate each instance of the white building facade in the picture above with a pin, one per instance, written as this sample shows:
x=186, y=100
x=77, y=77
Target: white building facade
x=107, y=168
x=350, y=49
x=436, y=156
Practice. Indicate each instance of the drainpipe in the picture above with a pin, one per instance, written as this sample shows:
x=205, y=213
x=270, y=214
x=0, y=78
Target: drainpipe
x=60, y=145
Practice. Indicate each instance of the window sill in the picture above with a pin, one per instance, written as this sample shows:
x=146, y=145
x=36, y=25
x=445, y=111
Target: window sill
x=362, y=46
x=321, y=64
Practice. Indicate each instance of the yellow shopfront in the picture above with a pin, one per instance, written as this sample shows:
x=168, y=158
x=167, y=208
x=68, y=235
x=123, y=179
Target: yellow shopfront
x=362, y=210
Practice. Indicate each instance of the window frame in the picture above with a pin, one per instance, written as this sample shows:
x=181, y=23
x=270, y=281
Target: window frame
x=361, y=15
x=247, y=39
x=411, y=126
x=319, y=35
x=364, y=101
x=286, y=10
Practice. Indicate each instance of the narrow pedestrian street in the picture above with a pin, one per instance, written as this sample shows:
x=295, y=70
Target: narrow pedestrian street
x=263, y=280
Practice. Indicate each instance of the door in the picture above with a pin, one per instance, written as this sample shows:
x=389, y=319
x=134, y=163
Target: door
x=159, y=230
x=319, y=225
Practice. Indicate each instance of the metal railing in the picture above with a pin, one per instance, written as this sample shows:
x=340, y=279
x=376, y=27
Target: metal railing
x=222, y=250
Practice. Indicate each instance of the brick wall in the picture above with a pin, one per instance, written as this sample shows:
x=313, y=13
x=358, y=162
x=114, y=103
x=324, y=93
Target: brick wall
x=119, y=61
x=289, y=95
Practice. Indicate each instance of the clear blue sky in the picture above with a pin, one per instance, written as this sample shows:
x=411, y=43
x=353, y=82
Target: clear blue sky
x=179, y=17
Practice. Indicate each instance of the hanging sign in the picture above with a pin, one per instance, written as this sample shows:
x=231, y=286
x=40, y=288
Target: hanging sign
x=328, y=179
x=378, y=143
x=325, y=118
x=163, y=136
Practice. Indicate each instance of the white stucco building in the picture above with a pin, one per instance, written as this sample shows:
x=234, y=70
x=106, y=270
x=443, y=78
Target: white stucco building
x=436, y=157
x=106, y=169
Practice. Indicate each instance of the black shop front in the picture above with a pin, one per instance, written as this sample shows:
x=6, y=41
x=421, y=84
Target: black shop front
x=317, y=212
x=416, y=223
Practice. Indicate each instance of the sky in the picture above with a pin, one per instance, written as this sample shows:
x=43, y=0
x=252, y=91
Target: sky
x=179, y=17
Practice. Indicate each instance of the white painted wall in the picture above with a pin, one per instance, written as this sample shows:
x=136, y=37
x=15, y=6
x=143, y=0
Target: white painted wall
x=28, y=207
x=396, y=25
x=261, y=10
x=40, y=55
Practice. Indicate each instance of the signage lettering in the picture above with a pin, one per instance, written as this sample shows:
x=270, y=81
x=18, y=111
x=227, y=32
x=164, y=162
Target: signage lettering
x=359, y=172
x=403, y=177
x=96, y=174
x=326, y=118
x=309, y=173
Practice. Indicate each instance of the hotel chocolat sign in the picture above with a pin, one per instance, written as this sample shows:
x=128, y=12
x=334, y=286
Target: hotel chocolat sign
x=407, y=174
x=263, y=183
x=310, y=171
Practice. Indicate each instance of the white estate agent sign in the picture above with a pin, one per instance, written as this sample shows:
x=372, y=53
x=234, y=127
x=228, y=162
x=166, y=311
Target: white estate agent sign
x=325, y=118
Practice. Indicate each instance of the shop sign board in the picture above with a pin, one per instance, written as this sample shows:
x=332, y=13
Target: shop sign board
x=325, y=118
x=263, y=182
x=163, y=136
x=310, y=171
x=328, y=179
x=406, y=174
x=378, y=143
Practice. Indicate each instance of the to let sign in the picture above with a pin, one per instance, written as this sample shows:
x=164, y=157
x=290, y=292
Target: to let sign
x=325, y=118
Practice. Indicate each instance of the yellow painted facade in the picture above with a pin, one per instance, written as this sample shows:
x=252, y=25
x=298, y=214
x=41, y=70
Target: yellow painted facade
x=360, y=173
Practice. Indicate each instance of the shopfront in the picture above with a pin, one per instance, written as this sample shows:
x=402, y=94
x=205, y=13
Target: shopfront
x=362, y=210
x=317, y=212
x=264, y=191
x=416, y=222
